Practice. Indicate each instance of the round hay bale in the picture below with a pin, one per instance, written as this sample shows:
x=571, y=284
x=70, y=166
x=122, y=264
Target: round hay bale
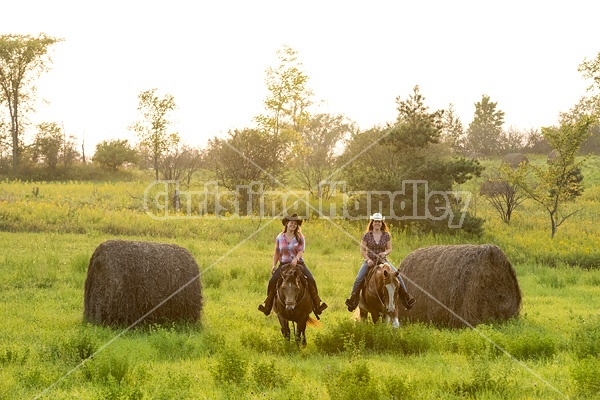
x=131, y=282
x=515, y=159
x=552, y=156
x=477, y=156
x=493, y=188
x=477, y=282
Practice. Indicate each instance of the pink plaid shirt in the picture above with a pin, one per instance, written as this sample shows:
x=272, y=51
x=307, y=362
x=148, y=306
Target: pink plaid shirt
x=287, y=251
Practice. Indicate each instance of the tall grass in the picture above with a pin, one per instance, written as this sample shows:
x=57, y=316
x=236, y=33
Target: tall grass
x=550, y=351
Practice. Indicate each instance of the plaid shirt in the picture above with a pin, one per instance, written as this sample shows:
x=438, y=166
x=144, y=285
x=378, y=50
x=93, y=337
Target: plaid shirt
x=374, y=248
x=287, y=251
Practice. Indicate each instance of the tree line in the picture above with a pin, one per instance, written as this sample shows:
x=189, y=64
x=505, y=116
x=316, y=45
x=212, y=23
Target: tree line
x=289, y=144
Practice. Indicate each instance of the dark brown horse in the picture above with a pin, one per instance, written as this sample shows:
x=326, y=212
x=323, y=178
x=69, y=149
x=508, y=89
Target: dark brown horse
x=292, y=302
x=380, y=296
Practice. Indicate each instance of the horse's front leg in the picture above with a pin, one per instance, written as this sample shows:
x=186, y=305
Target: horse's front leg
x=375, y=316
x=285, y=327
x=301, y=333
x=364, y=314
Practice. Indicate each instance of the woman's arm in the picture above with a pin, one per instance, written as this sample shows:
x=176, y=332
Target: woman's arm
x=299, y=250
x=388, y=249
x=276, y=256
x=364, y=252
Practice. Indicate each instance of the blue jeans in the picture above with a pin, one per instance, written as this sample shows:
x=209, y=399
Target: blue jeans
x=362, y=274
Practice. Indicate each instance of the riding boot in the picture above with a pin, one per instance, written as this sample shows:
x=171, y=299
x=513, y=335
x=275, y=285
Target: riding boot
x=354, y=299
x=266, y=308
x=407, y=300
x=318, y=306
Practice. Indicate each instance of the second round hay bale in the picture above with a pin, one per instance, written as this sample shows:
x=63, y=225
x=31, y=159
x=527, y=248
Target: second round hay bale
x=131, y=282
x=552, y=157
x=476, y=282
x=515, y=159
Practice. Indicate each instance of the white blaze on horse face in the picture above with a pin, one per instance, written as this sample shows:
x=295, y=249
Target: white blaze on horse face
x=391, y=288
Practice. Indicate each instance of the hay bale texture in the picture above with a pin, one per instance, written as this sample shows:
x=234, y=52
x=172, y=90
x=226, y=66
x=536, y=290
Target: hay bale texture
x=552, y=156
x=515, y=159
x=477, y=282
x=128, y=279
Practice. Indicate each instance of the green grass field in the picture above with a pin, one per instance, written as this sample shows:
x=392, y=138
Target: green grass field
x=552, y=351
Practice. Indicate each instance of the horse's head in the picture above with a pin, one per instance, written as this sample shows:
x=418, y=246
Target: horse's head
x=389, y=284
x=292, y=286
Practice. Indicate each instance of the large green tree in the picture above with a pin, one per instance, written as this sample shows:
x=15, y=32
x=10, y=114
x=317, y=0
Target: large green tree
x=245, y=161
x=152, y=130
x=111, y=154
x=453, y=131
x=561, y=182
x=589, y=104
x=485, y=131
x=259, y=154
x=52, y=147
x=321, y=138
x=289, y=97
x=405, y=173
x=22, y=59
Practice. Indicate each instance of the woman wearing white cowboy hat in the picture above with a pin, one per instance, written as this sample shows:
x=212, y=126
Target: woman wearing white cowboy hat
x=375, y=246
x=289, y=249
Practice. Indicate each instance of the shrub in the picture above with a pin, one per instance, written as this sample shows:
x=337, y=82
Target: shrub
x=230, y=368
x=585, y=341
x=354, y=382
x=267, y=375
x=586, y=377
x=106, y=367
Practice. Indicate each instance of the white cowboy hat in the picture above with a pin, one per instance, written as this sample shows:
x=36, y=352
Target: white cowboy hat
x=377, y=217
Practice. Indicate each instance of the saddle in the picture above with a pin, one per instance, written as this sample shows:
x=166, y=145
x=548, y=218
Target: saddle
x=368, y=279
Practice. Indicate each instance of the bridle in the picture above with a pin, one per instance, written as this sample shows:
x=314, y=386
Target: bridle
x=302, y=286
x=381, y=300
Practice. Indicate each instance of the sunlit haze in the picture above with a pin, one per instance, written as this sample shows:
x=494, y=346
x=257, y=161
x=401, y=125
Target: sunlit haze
x=359, y=56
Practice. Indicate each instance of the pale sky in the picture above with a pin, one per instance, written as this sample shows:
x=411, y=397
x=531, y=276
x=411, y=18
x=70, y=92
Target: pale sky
x=359, y=56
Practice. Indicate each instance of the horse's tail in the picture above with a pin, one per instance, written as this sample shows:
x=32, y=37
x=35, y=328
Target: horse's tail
x=312, y=322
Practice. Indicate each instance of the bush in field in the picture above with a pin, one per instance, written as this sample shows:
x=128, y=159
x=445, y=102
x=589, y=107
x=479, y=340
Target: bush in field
x=230, y=368
x=525, y=342
x=173, y=345
x=354, y=382
x=106, y=367
x=352, y=336
x=211, y=343
x=267, y=375
x=585, y=341
x=479, y=381
x=81, y=346
x=13, y=355
x=586, y=377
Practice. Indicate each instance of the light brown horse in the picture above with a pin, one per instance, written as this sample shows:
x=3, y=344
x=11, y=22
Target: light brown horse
x=293, y=302
x=380, y=296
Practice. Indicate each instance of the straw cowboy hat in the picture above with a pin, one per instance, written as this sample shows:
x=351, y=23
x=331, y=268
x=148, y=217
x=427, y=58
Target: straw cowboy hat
x=293, y=217
x=377, y=217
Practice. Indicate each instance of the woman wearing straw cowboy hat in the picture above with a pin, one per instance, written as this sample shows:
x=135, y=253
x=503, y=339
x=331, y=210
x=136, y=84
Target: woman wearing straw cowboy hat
x=375, y=246
x=289, y=249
